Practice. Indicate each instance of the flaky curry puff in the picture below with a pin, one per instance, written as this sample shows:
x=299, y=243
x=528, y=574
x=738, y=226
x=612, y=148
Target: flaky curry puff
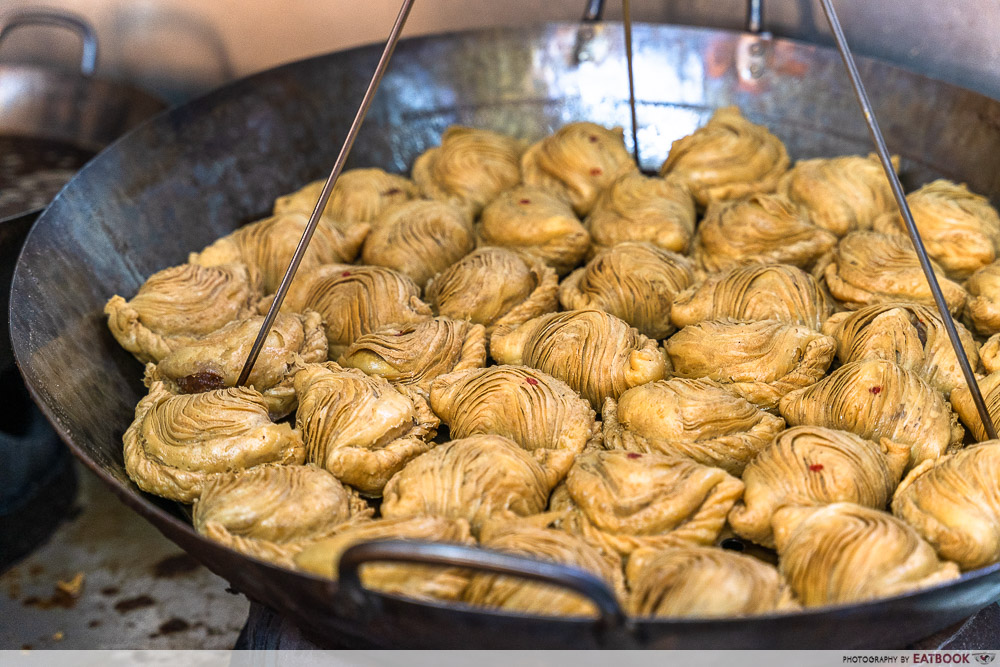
x=877, y=399
x=961, y=400
x=954, y=503
x=358, y=196
x=176, y=306
x=841, y=194
x=635, y=281
x=703, y=582
x=493, y=286
x=760, y=228
x=360, y=427
x=577, y=162
x=595, y=353
x=867, y=268
x=726, y=158
x=983, y=308
x=272, y=512
x=215, y=361
x=812, y=465
x=356, y=300
x=470, y=168
x=910, y=334
x=537, y=223
x=642, y=208
x=760, y=361
x=178, y=444
x=697, y=419
x=960, y=229
x=843, y=552
x=622, y=501
x=761, y=292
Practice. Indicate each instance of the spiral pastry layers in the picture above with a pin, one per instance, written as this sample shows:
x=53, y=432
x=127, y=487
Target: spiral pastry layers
x=983, y=308
x=961, y=400
x=359, y=196
x=640, y=208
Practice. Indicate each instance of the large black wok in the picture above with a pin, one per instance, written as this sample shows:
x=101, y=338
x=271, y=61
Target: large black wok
x=200, y=170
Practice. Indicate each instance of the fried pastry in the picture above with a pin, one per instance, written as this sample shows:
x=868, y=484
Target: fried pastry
x=868, y=268
x=267, y=246
x=415, y=581
x=416, y=354
x=761, y=229
x=492, y=286
x=535, y=410
x=472, y=478
x=727, y=158
x=593, y=352
x=910, y=334
x=760, y=361
x=356, y=300
x=960, y=229
x=272, y=512
x=359, y=427
x=989, y=354
x=640, y=208
x=697, y=419
x=178, y=444
x=704, y=582
x=844, y=553
x=961, y=400
x=771, y=292
x=358, y=196
x=547, y=544
x=983, y=308
x=470, y=168
x=812, y=465
x=841, y=194
x=877, y=399
x=633, y=280
x=215, y=361
x=577, y=162
x=954, y=503
x=538, y=224
x=419, y=239
x=621, y=501
x=178, y=305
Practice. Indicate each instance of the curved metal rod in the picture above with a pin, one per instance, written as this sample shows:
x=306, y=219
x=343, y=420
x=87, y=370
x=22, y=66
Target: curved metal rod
x=904, y=209
x=307, y=234
x=571, y=578
x=594, y=10
x=627, y=22
x=755, y=16
x=59, y=19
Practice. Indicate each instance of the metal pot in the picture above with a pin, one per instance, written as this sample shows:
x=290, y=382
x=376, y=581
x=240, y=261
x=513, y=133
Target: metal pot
x=200, y=170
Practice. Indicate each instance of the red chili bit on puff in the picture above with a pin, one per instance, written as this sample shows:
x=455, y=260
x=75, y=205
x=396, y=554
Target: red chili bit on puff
x=531, y=381
x=345, y=274
x=875, y=391
x=816, y=467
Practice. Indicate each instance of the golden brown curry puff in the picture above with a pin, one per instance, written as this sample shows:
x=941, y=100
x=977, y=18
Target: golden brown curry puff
x=983, y=308
x=642, y=208
x=961, y=400
x=358, y=196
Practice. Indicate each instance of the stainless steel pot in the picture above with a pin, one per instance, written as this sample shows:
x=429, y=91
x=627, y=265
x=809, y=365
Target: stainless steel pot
x=202, y=169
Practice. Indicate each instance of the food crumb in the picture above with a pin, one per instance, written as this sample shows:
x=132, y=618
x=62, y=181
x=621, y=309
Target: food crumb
x=73, y=587
x=58, y=636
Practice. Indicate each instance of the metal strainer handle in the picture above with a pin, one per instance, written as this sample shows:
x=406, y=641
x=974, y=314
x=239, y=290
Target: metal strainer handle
x=61, y=19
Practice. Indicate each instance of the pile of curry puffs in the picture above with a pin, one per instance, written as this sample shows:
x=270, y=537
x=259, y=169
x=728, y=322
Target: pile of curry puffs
x=538, y=349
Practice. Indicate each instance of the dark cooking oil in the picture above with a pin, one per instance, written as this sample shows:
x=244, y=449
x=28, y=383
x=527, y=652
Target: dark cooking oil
x=33, y=170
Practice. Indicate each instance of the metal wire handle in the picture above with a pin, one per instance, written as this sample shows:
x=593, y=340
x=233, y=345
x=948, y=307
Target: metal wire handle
x=584, y=583
x=60, y=19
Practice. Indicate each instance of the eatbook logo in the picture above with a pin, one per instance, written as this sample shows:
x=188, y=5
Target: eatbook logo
x=983, y=658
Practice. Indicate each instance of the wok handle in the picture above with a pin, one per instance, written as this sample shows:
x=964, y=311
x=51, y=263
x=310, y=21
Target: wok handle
x=593, y=11
x=571, y=578
x=61, y=19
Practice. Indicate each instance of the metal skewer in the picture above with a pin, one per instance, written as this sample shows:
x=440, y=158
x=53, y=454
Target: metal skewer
x=307, y=234
x=627, y=16
x=904, y=208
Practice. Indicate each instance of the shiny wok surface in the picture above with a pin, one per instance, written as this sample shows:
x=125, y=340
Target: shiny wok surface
x=200, y=170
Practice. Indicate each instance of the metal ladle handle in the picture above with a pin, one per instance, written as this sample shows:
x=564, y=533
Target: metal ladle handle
x=582, y=582
x=78, y=24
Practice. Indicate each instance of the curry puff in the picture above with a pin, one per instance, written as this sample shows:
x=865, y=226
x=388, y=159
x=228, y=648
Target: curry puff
x=593, y=352
x=727, y=158
x=634, y=281
x=702, y=582
x=179, y=305
x=983, y=307
x=272, y=512
x=761, y=292
x=621, y=501
x=642, y=208
x=760, y=361
x=843, y=553
x=358, y=196
x=961, y=400
x=493, y=286
x=215, y=361
x=697, y=419
x=358, y=426
x=812, y=465
x=577, y=162
x=178, y=444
